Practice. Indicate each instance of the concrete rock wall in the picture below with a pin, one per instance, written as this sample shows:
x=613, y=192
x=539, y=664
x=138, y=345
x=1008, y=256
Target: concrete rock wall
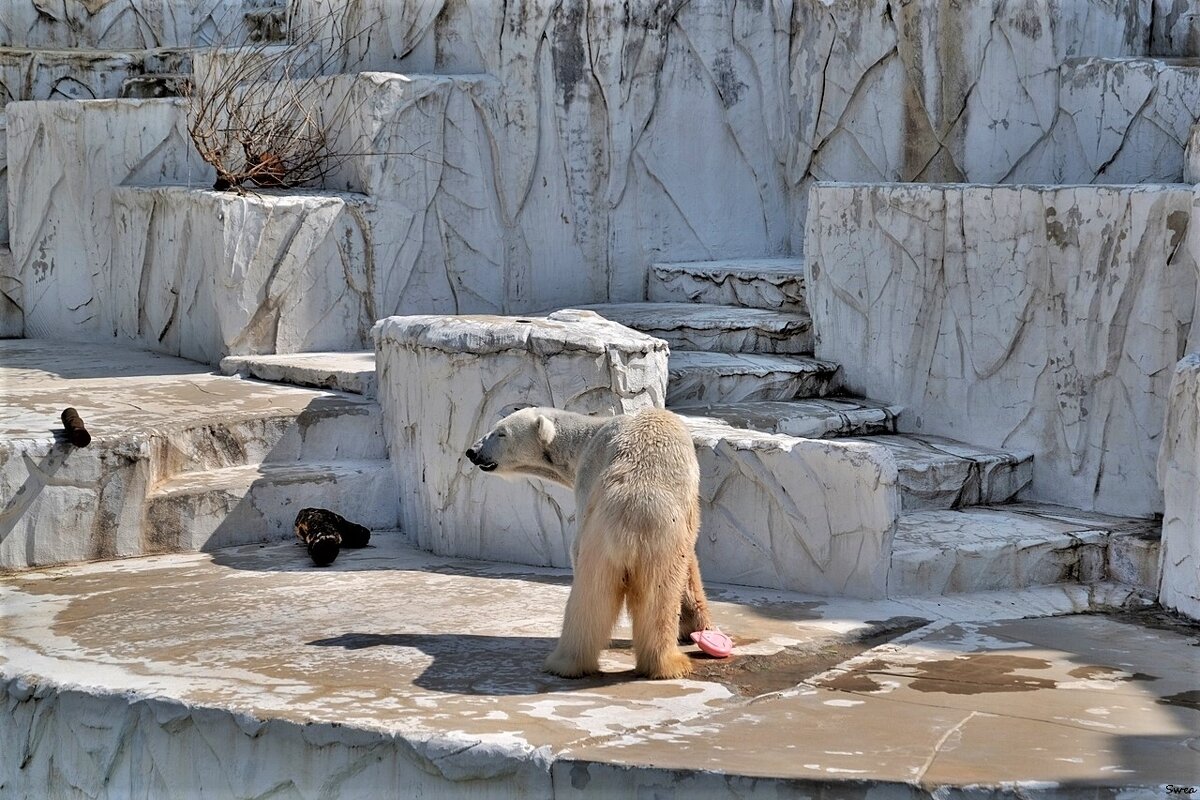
x=122, y=24
x=1179, y=475
x=629, y=133
x=64, y=162
x=1033, y=318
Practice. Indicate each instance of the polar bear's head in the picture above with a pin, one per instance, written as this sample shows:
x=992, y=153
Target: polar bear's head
x=517, y=444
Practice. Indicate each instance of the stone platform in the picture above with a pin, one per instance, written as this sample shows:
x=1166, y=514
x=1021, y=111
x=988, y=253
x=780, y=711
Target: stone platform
x=398, y=673
x=181, y=458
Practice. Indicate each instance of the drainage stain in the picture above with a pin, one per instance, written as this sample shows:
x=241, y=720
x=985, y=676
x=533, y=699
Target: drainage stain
x=984, y=673
x=752, y=676
x=1108, y=673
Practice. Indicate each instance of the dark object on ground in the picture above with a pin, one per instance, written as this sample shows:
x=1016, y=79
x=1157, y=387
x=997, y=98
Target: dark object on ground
x=76, y=433
x=324, y=533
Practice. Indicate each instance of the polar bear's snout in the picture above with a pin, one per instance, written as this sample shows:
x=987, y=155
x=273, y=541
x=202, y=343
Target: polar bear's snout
x=476, y=457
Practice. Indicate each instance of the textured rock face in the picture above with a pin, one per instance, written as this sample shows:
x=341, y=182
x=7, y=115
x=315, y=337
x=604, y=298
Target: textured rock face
x=121, y=24
x=443, y=383
x=65, y=160
x=1191, y=166
x=1118, y=121
x=1040, y=319
x=1176, y=28
x=205, y=274
x=1179, y=475
x=624, y=129
x=555, y=176
x=79, y=74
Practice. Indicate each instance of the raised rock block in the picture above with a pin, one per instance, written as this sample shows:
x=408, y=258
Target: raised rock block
x=65, y=160
x=124, y=24
x=1179, y=475
x=205, y=274
x=1039, y=319
x=443, y=381
x=786, y=513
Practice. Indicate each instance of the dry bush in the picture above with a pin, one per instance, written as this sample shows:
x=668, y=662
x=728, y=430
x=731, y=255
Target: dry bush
x=261, y=114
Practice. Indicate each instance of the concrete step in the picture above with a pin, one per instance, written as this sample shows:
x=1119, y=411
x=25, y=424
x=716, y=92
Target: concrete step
x=241, y=505
x=771, y=283
x=698, y=377
x=155, y=421
x=940, y=473
x=347, y=372
x=1016, y=547
x=728, y=329
x=935, y=472
x=81, y=74
x=328, y=428
x=815, y=418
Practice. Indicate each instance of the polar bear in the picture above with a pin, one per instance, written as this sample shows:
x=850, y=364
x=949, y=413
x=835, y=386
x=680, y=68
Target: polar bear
x=636, y=482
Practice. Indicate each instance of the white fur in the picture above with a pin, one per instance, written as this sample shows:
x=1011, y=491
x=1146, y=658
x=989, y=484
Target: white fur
x=637, y=483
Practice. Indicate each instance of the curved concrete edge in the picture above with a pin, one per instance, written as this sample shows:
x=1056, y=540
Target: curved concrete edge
x=235, y=754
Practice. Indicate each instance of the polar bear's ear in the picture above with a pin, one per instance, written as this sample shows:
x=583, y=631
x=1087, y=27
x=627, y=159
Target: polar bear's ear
x=545, y=430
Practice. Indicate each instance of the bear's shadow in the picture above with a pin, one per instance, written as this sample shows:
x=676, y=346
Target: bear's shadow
x=476, y=664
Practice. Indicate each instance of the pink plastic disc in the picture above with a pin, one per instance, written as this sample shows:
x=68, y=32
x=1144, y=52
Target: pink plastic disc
x=715, y=643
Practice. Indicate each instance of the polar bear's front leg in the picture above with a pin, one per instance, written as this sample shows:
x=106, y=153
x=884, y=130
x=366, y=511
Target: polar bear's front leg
x=597, y=591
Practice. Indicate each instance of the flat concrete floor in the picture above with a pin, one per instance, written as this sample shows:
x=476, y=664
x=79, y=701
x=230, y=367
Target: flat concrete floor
x=439, y=658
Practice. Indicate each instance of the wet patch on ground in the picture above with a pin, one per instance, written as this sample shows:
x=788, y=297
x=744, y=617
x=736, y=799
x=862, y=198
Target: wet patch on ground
x=755, y=675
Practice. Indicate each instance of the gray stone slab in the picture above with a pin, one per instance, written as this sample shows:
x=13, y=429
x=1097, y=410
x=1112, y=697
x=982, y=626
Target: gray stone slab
x=936, y=472
x=814, y=418
x=352, y=372
x=770, y=283
x=728, y=329
x=699, y=377
x=1003, y=547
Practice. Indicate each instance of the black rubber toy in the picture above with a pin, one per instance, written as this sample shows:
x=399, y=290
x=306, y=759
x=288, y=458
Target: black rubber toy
x=324, y=533
x=76, y=433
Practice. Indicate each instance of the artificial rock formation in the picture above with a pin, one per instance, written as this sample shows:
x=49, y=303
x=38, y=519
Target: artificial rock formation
x=1038, y=318
x=444, y=381
x=1179, y=474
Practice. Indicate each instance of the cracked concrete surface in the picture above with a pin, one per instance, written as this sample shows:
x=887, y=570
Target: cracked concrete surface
x=248, y=669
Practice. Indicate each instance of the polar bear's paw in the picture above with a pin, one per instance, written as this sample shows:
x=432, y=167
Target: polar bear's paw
x=664, y=666
x=565, y=666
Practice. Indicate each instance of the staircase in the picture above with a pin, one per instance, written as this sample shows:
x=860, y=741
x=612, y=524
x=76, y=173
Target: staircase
x=739, y=366
x=180, y=459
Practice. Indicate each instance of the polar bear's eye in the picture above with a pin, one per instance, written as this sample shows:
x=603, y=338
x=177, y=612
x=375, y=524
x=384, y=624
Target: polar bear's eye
x=501, y=434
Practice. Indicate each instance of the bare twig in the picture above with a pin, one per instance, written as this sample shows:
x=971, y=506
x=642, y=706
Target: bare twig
x=262, y=114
